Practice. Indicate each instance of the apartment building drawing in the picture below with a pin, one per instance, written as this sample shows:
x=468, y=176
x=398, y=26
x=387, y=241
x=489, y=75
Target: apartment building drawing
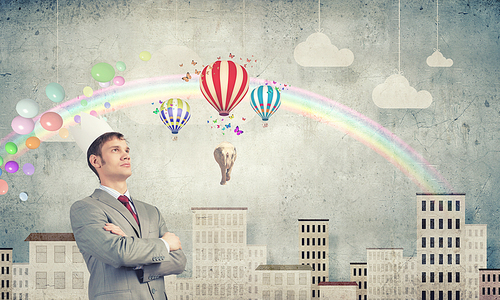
x=284, y=281
x=6, y=273
x=449, y=252
x=314, y=250
x=338, y=290
x=56, y=267
x=489, y=284
x=359, y=274
x=20, y=283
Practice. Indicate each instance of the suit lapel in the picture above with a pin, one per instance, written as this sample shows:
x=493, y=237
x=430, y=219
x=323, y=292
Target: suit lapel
x=107, y=199
x=141, y=211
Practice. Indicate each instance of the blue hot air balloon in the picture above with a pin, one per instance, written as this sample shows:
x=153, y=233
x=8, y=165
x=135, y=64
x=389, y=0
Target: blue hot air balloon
x=265, y=101
x=174, y=113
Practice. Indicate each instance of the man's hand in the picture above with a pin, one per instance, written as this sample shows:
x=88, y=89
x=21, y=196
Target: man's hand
x=114, y=229
x=173, y=241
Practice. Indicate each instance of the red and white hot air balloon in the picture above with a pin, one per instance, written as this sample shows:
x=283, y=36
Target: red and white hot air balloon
x=224, y=84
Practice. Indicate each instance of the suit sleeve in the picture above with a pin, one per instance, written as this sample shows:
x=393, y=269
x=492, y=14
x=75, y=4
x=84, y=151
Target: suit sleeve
x=87, y=221
x=175, y=263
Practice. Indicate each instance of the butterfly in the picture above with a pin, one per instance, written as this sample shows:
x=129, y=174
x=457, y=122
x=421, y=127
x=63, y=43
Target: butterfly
x=231, y=56
x=188, y=76
x=244, y=119
x=156, y=111
x=231, y=116
x=238, y=131
x=193, y=62
x=197, y=72
x=218, y=57
x=245, y=65
x=160, y=102
x=249, y=60
x=228, y=125
x=215, y=121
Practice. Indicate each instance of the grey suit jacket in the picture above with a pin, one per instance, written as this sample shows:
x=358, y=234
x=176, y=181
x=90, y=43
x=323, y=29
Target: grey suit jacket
x=111, y=258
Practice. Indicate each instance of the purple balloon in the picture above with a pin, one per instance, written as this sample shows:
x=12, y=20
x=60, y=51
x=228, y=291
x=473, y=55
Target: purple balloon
x=78, y=119
x=11, y=166
x=28, y=169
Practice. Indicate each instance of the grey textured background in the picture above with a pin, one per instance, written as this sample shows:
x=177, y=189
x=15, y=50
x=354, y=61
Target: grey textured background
x=295, y=168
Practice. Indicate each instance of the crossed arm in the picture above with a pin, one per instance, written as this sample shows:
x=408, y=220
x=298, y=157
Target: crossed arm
x=173, y=241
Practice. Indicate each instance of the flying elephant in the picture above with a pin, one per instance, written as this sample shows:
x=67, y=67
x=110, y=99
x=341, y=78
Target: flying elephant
x=225, y=155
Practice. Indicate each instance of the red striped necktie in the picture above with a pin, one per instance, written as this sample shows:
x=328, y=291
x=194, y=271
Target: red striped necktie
x=124, y=200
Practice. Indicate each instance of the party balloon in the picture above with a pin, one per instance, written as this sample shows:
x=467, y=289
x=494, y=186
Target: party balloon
x=0, y=172
x=55, y=92
x=32, y=142
x=4, y=187
x=1, y=163
x=84, y=102
x=28, y=169
x=224, y=84
x=145, y=55
x=120, y=66
x=11, y=148
x=118, y=80
x=88, y=91
x=107, y=105
x=265, y=101
x=22, y=125
x=23, y=196
x=64, y=133
x=104, y=84
x=27, y=108
x=77, y=119
x=175, y=114
x=11, y=166
x=102, y=72
x=51, y=121
x=93, y=113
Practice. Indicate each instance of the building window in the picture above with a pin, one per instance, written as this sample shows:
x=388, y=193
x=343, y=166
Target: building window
x=423, y=224
x=457, y=205
x=441, y=242
x=432, y=259
x=307, y=228
x=302, y=241
x=440, y=276
x=59, y=280
x=457, y=259
x=324, y=228
x=41, y=280
x=290, y=280
x=423, y=277
x=424, y=205
x=313, y=228
x=432, y=295
x=450, y=294
x=440, y=259
x=423, y=259
x=354, y=273
x=307, y=241
x=450, y=222
x=77, y=257
x=41, y=254
x=457, y=242
x=440, y=205
x=423, y=295
x=432, y=205
x=449, y=259
x=423, y=242
x=59, y=254
x=324, y=241
x=457, y=295
x=431, y=225
x=364, y=271
x=450, y=205
x=440, y=223
x=432, y=242
x=450, y=242
x=431, y=277
x=457, y=224
x=457, y=277
x=303, y=254
x=440, y=295
x=266, y=279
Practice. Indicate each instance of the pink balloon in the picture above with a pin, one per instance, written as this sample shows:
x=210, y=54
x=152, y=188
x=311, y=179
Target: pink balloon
x=93, y=113
x=51, y=121
x=22, y=125
x=4, y=187
x=118, y=80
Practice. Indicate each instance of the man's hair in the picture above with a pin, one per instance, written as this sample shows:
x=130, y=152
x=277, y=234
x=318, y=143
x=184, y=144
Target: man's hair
x=96, y=147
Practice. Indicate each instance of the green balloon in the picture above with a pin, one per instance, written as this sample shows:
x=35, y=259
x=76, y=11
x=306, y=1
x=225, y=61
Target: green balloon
x=1, y=161
x=120, y=66
x=11, y=148
x=84, y=102
x=55, y=92
x=103, y=72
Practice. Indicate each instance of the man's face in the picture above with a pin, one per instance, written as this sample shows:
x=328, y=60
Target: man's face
x=114, y=165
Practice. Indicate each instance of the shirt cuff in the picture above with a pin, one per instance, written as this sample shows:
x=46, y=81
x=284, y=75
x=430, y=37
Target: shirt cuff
x=166, y=245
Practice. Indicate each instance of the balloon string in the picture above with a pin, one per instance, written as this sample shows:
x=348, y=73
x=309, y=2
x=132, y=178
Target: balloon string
x=57, y=41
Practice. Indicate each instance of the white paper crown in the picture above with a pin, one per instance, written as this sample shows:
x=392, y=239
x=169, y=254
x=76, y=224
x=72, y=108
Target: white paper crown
x=89, y=130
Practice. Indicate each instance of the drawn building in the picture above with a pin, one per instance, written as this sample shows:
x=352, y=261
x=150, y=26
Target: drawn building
x=224, y=266
x=359, y=274
x=449, y=252
x=313, y=250
x=338, y=290
x=6, y=274
x=285, y=282
x=489, y=284
x=56, y=267
x=20, y=281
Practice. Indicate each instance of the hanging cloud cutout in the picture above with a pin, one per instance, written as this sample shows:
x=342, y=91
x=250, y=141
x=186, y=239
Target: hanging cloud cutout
x=396, y=92
x=438, y=60
x=318, y=51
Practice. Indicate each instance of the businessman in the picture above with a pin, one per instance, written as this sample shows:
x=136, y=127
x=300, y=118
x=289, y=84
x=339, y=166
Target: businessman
x=125, y=242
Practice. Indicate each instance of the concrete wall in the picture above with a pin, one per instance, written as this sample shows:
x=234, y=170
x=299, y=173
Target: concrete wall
x=296, y=167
